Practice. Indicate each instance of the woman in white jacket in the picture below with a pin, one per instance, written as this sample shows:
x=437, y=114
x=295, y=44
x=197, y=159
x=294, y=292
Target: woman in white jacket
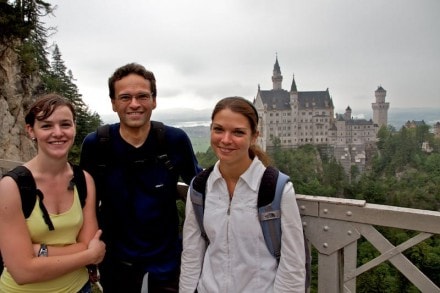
x=237, y=258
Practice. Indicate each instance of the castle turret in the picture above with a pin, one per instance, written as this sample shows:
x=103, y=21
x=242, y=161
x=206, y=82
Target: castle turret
x=347, y=114
x=380, y=108
x=277, y=78
x=293, y=88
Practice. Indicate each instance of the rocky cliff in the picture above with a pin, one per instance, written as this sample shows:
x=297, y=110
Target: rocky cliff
x=17, y=92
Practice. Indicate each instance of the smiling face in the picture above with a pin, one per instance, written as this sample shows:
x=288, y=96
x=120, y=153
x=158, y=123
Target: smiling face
x=54, y=134
x=231, y=137
x=133, y=101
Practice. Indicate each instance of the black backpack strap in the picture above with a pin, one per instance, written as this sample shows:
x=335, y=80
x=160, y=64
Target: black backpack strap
x=26, y=185
x=29, y=192
x=200, y=180
x=46, y=216
x=103, y=133
x=159, y=130
x=79, y=180
x=268, y=184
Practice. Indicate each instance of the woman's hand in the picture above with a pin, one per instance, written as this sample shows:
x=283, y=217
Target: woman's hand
x=97, y=247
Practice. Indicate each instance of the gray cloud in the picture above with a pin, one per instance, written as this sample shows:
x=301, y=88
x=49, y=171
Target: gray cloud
x=202, y=50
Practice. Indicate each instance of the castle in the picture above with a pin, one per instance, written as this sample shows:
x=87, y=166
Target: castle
x=293, y=118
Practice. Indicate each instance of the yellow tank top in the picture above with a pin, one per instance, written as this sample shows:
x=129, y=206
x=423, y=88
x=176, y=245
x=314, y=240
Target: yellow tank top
x=67, y=226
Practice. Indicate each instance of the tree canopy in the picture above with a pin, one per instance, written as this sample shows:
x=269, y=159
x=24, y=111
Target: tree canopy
x=22, y=28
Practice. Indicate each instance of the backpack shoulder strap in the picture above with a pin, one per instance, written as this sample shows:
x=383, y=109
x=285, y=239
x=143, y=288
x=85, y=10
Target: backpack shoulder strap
x=159, y=130
x=269, y=212
x=79, y=180
x=26, y=185
x=103, y=134
x=197, y=193
x=269, y=208
x=29, y=192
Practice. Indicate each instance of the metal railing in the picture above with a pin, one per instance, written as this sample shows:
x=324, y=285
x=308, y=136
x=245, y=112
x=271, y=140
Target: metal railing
x=334, y=225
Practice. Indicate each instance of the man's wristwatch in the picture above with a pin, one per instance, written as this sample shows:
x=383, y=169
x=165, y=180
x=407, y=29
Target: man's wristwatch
x=43, y=250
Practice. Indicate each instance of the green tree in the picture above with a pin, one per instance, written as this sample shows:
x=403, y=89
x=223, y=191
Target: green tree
x=206, y=159
x=60, y=80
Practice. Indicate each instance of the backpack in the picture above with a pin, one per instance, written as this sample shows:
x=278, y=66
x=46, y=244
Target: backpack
x=103, y=133
x=269, y=209
x=158, y=129
x=29, y=192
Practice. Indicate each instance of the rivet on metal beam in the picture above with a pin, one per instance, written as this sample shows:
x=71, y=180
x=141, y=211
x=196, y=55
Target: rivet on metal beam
x=325, y=211
x=304, y=224
x=349, y=213
x=302, y=207
x=326, y=228
x=349, y=232
x=325, y=245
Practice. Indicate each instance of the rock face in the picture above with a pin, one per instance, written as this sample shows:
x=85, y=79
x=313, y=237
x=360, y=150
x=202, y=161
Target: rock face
x=17, y=92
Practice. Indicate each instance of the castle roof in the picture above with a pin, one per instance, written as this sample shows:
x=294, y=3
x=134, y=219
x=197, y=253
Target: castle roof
x=380, y=89
x=359, y=122
x=280, y=99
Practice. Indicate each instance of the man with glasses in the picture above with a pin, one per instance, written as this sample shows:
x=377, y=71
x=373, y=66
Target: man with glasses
x=136, y=164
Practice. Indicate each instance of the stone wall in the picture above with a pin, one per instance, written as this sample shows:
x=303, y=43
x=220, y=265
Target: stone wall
x=16, y=94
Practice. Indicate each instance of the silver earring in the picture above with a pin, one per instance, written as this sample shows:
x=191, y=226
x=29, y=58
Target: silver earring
x=33, y=139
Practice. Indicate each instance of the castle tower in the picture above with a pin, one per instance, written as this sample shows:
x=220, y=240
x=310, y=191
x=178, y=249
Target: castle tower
x=347, y=114
x=380, y=108
x=294, y=96
x=277, y=78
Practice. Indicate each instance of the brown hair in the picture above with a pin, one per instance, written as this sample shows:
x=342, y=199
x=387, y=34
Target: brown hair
x=246, y=108
x=127, y=69
x=45, y=105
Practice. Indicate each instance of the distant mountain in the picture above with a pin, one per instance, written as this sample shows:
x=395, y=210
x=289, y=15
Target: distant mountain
x=397, y=117
x=196, y=122
x=176, y=117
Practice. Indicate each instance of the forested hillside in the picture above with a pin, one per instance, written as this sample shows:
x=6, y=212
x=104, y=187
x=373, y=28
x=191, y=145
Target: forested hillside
x=401, y=174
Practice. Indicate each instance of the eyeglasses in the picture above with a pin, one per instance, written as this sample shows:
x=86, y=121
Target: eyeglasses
x=142, y=97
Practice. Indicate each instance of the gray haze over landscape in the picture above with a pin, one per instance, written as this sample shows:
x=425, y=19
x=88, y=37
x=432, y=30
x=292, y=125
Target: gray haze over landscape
x=189, y=118
x=203, y=50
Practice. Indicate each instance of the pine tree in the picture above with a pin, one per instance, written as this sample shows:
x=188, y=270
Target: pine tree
x=60, y=80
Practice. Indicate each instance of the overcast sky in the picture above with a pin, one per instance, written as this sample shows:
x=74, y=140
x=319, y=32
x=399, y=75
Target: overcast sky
x=204, y=50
